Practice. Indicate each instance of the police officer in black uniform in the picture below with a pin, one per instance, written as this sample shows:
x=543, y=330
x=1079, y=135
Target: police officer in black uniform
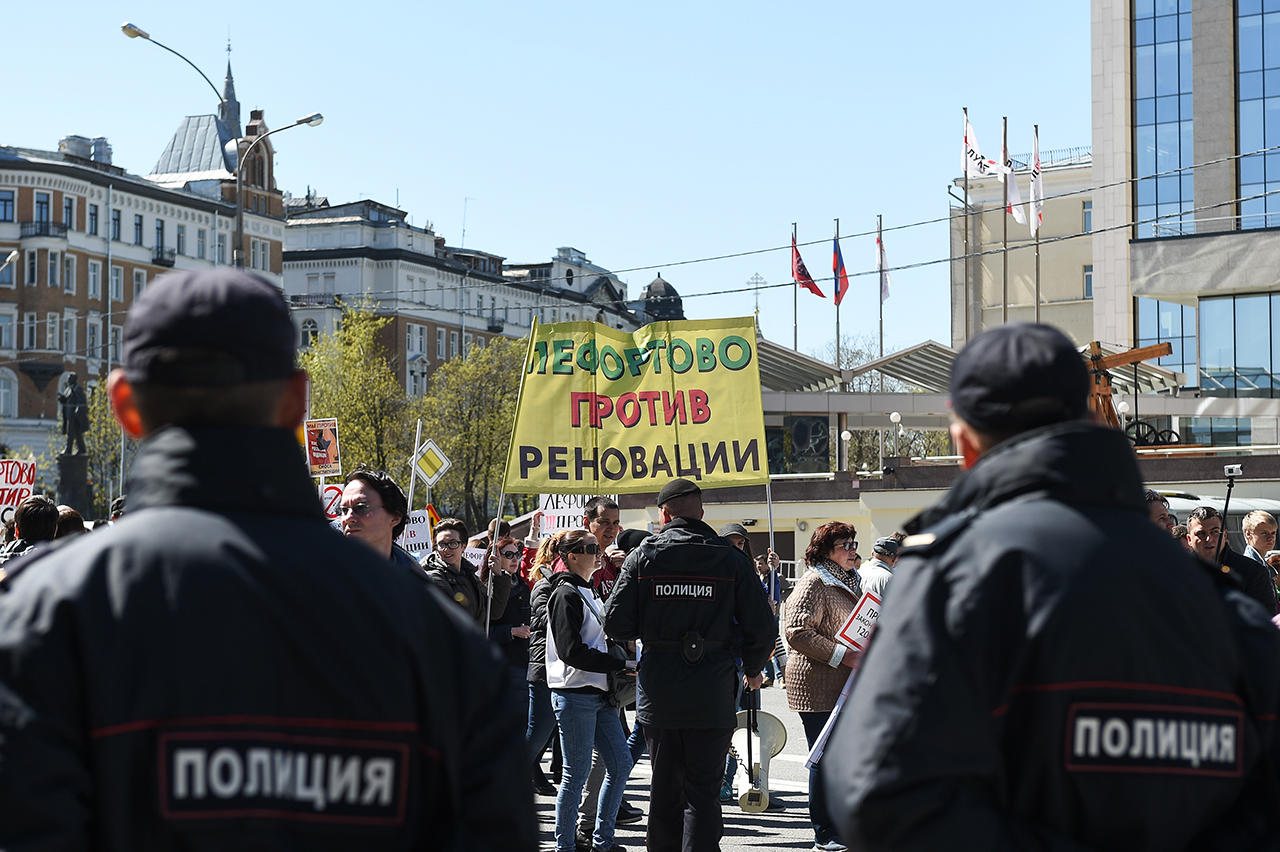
x=1051, y=670
x=221, y=669
x=683, y=593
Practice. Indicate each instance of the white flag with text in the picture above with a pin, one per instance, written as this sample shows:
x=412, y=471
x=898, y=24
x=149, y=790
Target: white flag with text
x=975, y=165
x=1037, y=187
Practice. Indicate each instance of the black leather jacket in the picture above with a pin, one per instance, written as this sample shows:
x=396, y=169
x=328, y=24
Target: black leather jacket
x=686, y=579
x=220, y=669
x=1052, y=671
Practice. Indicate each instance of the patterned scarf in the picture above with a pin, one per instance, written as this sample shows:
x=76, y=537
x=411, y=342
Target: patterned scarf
x=833, y=575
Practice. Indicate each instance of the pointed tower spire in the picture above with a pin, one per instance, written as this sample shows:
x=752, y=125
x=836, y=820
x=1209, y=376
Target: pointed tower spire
x=229, y=109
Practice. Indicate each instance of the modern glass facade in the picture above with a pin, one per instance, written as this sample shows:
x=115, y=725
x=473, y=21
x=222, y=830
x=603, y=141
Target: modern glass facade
x=1163, y=149
x=1159, y=322
x=1258, y=88
x=1240, y=345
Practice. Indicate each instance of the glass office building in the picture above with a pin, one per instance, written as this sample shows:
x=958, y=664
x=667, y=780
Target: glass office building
x=1163, y=149
x=1258, y=110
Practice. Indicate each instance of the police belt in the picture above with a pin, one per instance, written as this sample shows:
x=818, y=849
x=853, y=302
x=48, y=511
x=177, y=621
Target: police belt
x=691, y=646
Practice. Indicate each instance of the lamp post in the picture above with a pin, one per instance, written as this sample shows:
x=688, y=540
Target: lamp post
x=896, y=419
x=12, y=258
x=134, y=31
x=312, y=120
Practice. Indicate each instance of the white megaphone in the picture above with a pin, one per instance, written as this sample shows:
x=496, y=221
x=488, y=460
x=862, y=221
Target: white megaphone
x=759, y=736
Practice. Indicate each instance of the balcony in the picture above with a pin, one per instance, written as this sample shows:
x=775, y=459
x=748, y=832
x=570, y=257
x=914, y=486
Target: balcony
x=495, y=325
x=44, y=229
x=164, y=257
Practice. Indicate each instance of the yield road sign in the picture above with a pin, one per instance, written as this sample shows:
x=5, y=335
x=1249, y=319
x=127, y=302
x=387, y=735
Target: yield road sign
x=430, y=463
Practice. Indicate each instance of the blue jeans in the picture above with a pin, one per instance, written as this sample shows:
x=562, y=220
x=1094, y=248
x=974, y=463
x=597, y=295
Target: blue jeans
x=542, y=719
x=588, y=722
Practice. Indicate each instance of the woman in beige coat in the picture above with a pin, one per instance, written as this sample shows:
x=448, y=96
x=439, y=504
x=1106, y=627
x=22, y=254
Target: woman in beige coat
x=819, y=665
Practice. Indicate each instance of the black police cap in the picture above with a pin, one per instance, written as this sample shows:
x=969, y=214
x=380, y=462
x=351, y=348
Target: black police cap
x=1019, y=376
x=209, y=328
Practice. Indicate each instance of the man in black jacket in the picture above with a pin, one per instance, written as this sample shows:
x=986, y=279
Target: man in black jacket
x=222, y=670
x=684, y=592
x=1052, y=671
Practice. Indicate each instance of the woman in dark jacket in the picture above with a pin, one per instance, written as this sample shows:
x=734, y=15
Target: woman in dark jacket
x=578, y=667
x=511, y=630
x=542, y=719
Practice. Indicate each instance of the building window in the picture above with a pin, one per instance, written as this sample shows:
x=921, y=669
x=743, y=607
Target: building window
x=1160, y=322
x=330, y=281
x=310, y=332
x=6, y=205
x=42, y=207
x=117, y=283
x=313, y=282
x=200, y=238
x=69, y=335
x=222, y=248
x=114, y=353
x=115, y=225
x=31, y=267
x=137, y=229
x=68, y=212
x=466, y=342
x=92, y=347
x=68, y=274
x=29, y=330
x=1162, y=118
x=1257, y=111
x=253, y=254
x=6, y=331
x=1217, y=431
x=422, y=339
x=52, y=323
x=54, y=268
x=93, y=220
x=180, y=238
x=1086, y=217
x=1239, y=356
x=7, y=275
x=159, y=234
x=139, y=282
x=440, y=343
x=8, y=393
x=453, y=343
x=95, y=280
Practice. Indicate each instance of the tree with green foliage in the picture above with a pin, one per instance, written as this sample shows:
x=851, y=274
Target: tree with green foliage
x=103, y=445
x=354, y=380
x=468, y=411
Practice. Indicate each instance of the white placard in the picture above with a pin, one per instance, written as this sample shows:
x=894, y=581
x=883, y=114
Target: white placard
x=857, y=630
x=416, y=537
x=17, y=479
x=564, y=511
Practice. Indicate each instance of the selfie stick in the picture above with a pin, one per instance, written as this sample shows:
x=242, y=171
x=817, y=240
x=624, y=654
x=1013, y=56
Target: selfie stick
x=1226, y=504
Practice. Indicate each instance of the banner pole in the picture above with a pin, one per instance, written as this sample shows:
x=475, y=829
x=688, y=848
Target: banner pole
x=795, y=307
x=413, y=476
x=488, y=558
x=967, y=309
x=1004, y=221
x=1032, y=211
x=836, y=286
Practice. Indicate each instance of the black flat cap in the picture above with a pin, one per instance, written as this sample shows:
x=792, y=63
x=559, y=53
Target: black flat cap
x=886, y=546
x=209, y=328
x=677, y=488
x=1017, y=377
x=733, y=528
x=629, y=540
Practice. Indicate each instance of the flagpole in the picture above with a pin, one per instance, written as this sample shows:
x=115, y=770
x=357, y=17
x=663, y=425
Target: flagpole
x=1004, y=219
x=795, y=301
x=1034, y=213
x=880, y=287
x=967, y=308
x=836, y=285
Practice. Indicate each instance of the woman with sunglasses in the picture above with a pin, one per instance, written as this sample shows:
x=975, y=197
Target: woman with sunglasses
x=578, y=663
x=819, y=665
x=510, y=631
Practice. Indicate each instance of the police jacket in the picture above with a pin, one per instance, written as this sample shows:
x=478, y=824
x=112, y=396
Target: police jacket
x=221, y=670
x=686, y=581
x=464, y=587
x=1052, y=671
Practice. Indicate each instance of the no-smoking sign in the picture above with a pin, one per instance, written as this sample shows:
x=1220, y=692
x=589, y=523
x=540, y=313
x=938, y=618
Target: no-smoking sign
x=330, y=497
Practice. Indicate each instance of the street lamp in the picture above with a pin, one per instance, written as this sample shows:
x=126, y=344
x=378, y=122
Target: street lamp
x=135, y=31
x=12, y=258
x=312, y=120
x=896, y=419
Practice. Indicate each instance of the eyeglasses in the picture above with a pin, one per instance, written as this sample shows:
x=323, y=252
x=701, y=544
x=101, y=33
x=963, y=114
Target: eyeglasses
x=448, y=545
x=590, y=549
x=508, y=554
x=359, y=510
x=847, y=544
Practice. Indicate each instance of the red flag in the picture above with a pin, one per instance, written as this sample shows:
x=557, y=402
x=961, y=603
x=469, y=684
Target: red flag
x=800, y=273
x=841, y=276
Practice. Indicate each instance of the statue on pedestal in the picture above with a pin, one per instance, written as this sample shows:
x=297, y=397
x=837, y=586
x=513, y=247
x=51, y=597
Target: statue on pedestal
x=75, y=415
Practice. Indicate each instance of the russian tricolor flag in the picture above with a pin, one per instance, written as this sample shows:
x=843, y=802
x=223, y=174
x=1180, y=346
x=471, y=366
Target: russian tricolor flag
x=837, y=267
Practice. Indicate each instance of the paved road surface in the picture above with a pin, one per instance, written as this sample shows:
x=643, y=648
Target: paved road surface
x=786, y=829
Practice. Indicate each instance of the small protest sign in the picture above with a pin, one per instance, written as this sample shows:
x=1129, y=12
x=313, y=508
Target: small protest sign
x=17, y=479
x=857, y=630
x=323, y=454
x=330, y=499
x=564, y=511
x=416, y=537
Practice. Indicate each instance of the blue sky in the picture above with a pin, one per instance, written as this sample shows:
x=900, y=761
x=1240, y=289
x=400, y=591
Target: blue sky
x=644, y=134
